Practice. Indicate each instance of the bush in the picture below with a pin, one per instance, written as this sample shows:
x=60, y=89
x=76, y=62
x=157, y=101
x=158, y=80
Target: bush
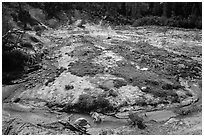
x=88, y=103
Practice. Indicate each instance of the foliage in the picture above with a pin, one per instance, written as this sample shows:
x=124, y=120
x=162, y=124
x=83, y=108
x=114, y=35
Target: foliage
x=175, y=21
x=185, y=14
x=88, y=103
x=18, y=56
x=152, y=20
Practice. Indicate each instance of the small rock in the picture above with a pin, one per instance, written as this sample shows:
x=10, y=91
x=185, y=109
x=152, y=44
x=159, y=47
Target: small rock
x=38, y=33
x=184, y=83
x=145, y=89
x=16, y=100
x=49, y=81
x=171, y=120
x=187, y=101
x=48, y=58
x=180, y=66
x=144, y=69
x=106, y=132
x=119, y=83
x=68, y=87
x=181, y=94
x=138, y=67
x=79, y=23
x=167, y=86
x=106, y=70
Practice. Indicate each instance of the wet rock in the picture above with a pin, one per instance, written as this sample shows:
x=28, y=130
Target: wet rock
x=136, y=120
x=96, y=117
x=82, y=123
x=113, y=93
x=106, y=85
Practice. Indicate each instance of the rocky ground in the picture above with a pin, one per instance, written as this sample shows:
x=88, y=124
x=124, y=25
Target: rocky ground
x=154, y=71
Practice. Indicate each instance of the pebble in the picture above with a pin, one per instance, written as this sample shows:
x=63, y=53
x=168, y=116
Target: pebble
x=68, y=87
x=16, y=100
x=144, y=69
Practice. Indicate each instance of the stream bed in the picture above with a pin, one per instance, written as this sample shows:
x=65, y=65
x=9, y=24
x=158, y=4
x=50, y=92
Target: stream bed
x=111, y=71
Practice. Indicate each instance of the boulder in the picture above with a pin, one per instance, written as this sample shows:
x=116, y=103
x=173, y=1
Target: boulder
x=119, y=83
x=106, y=85
x=96, y=117
x=113, y=93
x=136, y=120
x=82, y=123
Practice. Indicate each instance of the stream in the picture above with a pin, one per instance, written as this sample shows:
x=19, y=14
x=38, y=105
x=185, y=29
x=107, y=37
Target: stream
x=96, y=48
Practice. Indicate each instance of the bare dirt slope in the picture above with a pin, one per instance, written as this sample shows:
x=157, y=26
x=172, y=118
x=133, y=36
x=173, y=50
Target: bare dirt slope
x=154, y=71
